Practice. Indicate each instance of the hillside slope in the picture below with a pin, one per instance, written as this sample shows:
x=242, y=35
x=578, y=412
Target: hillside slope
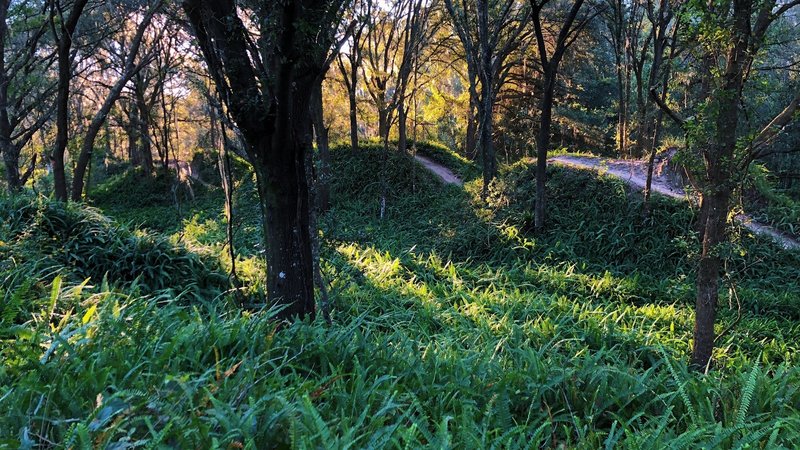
x=453, y=328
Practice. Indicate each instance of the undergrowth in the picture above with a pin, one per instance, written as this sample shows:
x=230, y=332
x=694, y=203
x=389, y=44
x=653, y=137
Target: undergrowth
x=768, y=204
x=454, y=327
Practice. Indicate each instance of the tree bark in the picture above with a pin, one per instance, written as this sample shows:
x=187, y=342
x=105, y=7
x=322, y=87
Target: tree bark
x=85, y=155
x=383, y=123
x=719, y=165
x=11, y=160
x=351, y=96
x=9, y=151
x=486, y=141
x=145, y=147
x=549, y=65
x=470, y=144
x=402, y=134
x=714, y=209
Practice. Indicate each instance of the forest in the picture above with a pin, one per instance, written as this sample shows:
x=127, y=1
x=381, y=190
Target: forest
x=466, y=224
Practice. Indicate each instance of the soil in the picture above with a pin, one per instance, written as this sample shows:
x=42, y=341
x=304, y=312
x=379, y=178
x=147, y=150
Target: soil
x=441, y=171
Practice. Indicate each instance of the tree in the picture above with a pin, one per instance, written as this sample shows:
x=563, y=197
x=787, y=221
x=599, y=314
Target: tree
x=569, y=29
x=63, y=27
x=489, y=30
x=662, y=70
x=731, y=35
x=267, y=87
x=131, y=63
x=349, y=69
x=24, y=84
x=393, y=41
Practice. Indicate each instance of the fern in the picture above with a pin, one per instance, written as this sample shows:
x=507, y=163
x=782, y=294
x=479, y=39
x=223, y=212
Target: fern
x=681, y=389
x=747, y=394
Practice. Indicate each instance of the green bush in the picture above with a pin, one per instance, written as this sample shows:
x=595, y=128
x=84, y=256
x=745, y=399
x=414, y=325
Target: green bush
x=85, y=244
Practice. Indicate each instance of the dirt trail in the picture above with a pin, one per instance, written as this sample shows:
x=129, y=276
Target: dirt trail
x=635, y=173
x=441, y=171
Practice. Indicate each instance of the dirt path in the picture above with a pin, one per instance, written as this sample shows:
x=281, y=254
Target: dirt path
x=635, y=173
x=441, y=171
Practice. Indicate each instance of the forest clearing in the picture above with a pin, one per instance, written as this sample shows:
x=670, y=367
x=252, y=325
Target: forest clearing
x=555, y=224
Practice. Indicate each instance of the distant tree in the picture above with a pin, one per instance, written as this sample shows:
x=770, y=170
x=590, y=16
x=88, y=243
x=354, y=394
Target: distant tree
x=489, y=30
x=63, y=23
x=349, y=63
x=125, y=49
x=396, y=35
x=558, y=35
x=267, y=82
x=660, y=72
x=25, y=86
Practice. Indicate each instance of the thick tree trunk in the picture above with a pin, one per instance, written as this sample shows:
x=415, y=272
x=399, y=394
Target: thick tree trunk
x=277, y=128
x=542, y=146
x=143, y=132
x=11, y=160
x=286, y=205
x=714, y=209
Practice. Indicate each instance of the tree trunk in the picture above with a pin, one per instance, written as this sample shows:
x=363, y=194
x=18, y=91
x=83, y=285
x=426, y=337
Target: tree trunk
x=62, y=117
x=486, y=129
x=714, y=208
x=471, y=141
x=353, y=119
x=285, y=204
x=542, y=145
x=64, y=46
x=143, y=125
x=277, y=127
x=7, y=148
x=131, y=130
x=87, y=147
x=622, y=113
x=383, y=123
x=11, y=160
x=402, y=138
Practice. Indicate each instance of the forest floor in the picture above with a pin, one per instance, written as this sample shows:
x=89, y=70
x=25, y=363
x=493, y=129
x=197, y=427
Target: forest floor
x=454, y=325
x=634, y=172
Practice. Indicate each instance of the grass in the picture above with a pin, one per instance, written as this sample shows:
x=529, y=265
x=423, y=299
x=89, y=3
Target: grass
x=454, y=327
